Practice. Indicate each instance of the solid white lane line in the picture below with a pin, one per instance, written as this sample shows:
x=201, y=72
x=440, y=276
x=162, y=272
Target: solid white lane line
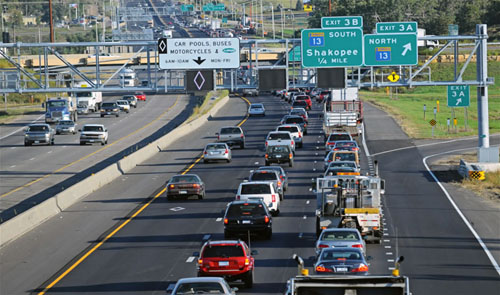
x=190, y=259
x=21, y=129
x=365, y=147
x=473, y=231
x=218, y=219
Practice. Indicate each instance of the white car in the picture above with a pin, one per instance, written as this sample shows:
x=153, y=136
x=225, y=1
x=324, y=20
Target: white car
x=256, y=109
x=295, y=130
x=280, y=138
x=91, y=133
x=263, y=190
x=202, y=285
x=124, y=105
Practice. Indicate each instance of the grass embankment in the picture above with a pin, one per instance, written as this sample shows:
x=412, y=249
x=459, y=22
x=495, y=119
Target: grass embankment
x=206, y=103
x=407, y=105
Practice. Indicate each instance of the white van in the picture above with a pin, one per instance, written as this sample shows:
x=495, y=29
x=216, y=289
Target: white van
x=263, y=190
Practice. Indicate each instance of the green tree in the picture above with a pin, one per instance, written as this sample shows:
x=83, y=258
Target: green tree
x=299, y=6
x=16, y=18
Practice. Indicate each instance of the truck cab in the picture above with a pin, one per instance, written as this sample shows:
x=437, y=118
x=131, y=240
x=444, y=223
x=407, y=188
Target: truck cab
x=61, y=108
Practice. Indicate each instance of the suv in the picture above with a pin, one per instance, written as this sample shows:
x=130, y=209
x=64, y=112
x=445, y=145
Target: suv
x=269, y=175
x=110, y=108
x=280, y=138
x=261, y=190
x=248, y=216
x=295, y=130
x=132, y=100
x=38, y=133
x=298, y=120
x=124, y=105
x=231, y=136
x=281, y=173
x=229, y=259
x=334, y=137
x=305, y=98
x=279, y=154
x=91, y=133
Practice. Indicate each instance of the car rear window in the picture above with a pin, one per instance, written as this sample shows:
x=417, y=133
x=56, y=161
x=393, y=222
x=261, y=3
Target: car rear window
x=345, y=144
x=345, y=157
x=263, y=176
x=255, y=189
x=294, y=120
x=342, y=164
x=222, y=251
x=246, y=209
x=299, y=103
x=337, y=255
x=92, y=128
x=297, y=112
x=183, y=178
x=38, y=128
x=200, y=288
x=301, y=97
x=291, y=129
x=255, y=106
x=108, y=104
x=276, y=136
x=340, y=236
x=66, y=123
x=230, y=130
x=215, y=147
x=337, y=137
x=278, y=149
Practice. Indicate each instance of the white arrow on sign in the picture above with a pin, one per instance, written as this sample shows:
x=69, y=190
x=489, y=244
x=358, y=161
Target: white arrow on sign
x=459, y=101
x=406, y=48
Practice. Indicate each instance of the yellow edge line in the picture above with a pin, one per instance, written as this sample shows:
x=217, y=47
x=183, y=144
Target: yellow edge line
x=89, y=155
x=81, y=259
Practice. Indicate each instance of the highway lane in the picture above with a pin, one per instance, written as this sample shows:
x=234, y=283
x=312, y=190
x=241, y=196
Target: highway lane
x=129, y=259
x=27, y=172
x=441, y=254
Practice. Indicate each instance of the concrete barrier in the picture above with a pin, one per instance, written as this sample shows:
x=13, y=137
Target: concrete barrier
x=28, y=220
x=476, y=170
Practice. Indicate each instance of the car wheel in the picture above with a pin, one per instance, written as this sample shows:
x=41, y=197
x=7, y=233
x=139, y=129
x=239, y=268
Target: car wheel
x=300, y=145
x=268, y=234
x=227, y=235
x=82, y=143
x=169, y=198
x=135, y=107
x=267, y=163
x=102, y=116
x=249, y=279
x=282, y=196
x=305, y=132
x=106, y=142
x=57, y=132
x=205, y=161
x=117, y=115
x=74, y=132
x=103, y=142
x=242, y=145
x=128, y=112
x=228, y=160
x=201, y=196
x=275, y=213
x=27, y=143
x=52, y=142
x=290, y=164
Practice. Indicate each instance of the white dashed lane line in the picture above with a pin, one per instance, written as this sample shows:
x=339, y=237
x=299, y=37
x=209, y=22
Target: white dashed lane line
x=206, y=237
x=219, y=219
x=190, y=259
x=32, y=159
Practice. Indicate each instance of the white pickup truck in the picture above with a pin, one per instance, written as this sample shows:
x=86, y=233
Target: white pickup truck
x=280, y=138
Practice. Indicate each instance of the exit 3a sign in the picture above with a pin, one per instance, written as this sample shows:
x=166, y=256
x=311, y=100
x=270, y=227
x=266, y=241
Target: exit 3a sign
x=458, y=96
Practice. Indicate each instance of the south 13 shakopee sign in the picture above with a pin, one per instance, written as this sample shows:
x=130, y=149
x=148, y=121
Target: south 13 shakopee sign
x=199, y=53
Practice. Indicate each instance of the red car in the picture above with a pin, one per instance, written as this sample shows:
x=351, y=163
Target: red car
x=140, y=96
x=305, y=98
x=229, y=259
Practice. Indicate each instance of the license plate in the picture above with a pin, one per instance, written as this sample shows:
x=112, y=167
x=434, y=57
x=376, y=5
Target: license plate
x=37, y=141
x=246, y=221
x=223, y=263
x=91, y=140
x=341, y=269
x=108, y=113
x=278, y=156
x=183, y=192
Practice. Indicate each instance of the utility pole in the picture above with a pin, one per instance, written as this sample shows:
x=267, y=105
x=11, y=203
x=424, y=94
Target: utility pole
x=272, y=16
x=262, y=19
x=282, y=22
x=51, y=23
x=103, y=21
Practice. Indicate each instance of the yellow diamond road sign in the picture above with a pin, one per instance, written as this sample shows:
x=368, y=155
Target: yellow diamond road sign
x=432, y=122
x=393, y=77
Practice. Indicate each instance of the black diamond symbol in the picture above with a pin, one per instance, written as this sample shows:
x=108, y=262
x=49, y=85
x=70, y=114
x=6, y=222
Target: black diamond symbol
x=162, y=46
x=199, y=80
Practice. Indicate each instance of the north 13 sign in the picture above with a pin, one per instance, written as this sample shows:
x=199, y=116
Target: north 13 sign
x=199, y=53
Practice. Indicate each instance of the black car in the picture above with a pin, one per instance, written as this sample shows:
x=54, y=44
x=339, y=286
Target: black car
x=298, y=120
x=279, y=154
x=348, y=261
x=248, y=216
x=184, y=186
x=110, y=108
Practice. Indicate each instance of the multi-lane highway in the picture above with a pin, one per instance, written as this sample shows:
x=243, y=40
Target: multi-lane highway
x=32, y=174
x=126, y=238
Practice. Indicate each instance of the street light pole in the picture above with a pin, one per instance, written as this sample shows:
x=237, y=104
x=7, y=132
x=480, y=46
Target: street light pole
x=272, y=16
x=282, y=23
x=261, y=19
x=51, y=23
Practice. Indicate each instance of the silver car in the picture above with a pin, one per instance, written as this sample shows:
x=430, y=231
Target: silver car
x=38, y=133
x=202, y=285
x=132, y=100
x=295, y=130
x=340, y=238
x=329, y=162
x=66, y=126
x=256, y=109
x=281, y=173
x=217, y=151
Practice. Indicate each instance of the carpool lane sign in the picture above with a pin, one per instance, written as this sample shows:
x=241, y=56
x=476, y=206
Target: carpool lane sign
x=332, y=48
x=198, y=53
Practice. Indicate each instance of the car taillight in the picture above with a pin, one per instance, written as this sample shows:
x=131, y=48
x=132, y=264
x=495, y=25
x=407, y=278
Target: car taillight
x=226, y=221
x=172, y=186
x=290, y=155
x=293, y=142
x=247, y=261
x=357, y=246
x=241, y=136
x=321, y=268
x=196, y=185
x=323, y=246
x=205, y=152
x=218, y=137
x=329, y=161
x=226, y=151
x=362, y=267
x=237, y=197
x=300, y=135
x=266, y=142
x=273, y=198
x=279, y=183
x=330, y=143
x=200, y=261
x=282, y=177
x=355, y=149
x=266, y=219
x=267, y=156
x=336, y=149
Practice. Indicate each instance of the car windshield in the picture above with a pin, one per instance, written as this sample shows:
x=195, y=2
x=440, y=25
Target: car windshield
x=337, y=137
x=301, y=97
x=345, y=157
x=212, y=147
x=122, y=102
x=129, y=97
x=200, y=288
x=297, y=112
x=255, y=189
x=291, y=129
x=299, y=103
x=230, y=130
x=222, y=251
x=343, y=164
x=184, y=179
x=340, y=255
x=263, y=176
x=340, y=236
x=278, y=149
x=246, y=209
x=66, y=123
x=298, y=120
x=93, y=128
x=276, y=136
x=38, y=128
x=108, y=105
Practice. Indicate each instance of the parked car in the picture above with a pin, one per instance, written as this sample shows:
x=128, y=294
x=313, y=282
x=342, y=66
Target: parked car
x=269, y=175
x=231, y=259
x=110, y=108
x=279, y=154
x=280, y=138
x=39, y=133
x=256, y=109
x=140, y=96
x=340, y=238
x=216, y=151
x=184, y=186
x=248, y=216
x=205, y=285
x=132, y=100
x=124, y=105
x=348, y=261
x=295, y=130
x=91, y=133
x=232, y=135
x=281, y=173
x=66, y=126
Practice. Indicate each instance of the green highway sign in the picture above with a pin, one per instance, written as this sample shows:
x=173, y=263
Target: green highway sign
x=390, y=49
x=294, y=55
x=187, y=7
x=330, y=22
x=458, y=96
x=212, y=7
x=397, y=27
x=332, y=48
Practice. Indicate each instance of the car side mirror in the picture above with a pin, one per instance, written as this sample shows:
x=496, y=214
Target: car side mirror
x=216, y=133
x=254, y=252
x=79, y=130
x=234, y=289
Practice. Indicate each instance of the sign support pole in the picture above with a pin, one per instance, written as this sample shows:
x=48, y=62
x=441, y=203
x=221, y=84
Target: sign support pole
x=482, y=91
